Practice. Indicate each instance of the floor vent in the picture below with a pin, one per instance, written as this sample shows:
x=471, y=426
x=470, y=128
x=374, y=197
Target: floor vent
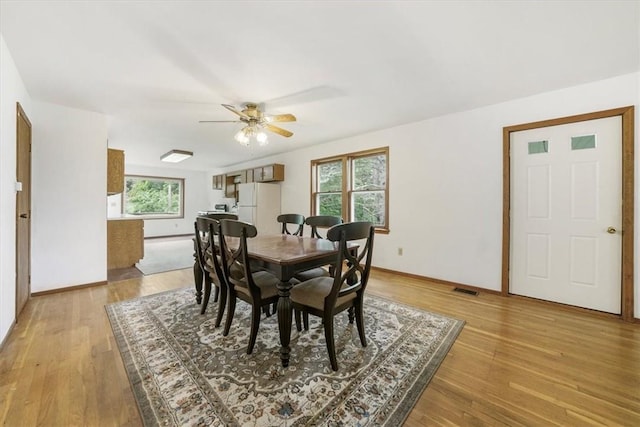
x=466, y=291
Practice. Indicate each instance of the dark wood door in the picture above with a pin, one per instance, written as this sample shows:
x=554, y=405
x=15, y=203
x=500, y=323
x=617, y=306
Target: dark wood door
x=23, y=210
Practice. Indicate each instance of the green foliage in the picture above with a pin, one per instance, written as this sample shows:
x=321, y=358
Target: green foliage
x=330, y=204
x=370, y=173
x=369, y=206
x=330, y=177
x=152, y=196
x=368, y=182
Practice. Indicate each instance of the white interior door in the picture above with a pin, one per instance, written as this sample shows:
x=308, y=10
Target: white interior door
x=566, y=214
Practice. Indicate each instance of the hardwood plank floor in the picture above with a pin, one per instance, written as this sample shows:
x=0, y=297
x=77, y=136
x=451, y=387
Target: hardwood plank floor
x=517, y=361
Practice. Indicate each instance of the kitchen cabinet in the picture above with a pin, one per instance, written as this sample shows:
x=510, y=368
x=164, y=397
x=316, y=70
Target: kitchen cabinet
x=249, y=175
x=229, y=182
x=269, y=173
x=115, y=171
x=218, y=182
x=125, y=242
x=232, y=179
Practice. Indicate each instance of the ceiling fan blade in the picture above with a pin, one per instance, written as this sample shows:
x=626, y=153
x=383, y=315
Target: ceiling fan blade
x=233, y=110
x=220, y=121
x=280, y=118
x=278, y=130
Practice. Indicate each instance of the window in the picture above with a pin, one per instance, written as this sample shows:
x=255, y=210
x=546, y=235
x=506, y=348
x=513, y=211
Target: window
x=153, y=197
x=353, y=186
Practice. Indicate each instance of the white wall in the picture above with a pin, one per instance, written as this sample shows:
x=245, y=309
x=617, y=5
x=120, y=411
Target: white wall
x=198, y=196
x=69, y=176
x=13, y=90
x=446, y=182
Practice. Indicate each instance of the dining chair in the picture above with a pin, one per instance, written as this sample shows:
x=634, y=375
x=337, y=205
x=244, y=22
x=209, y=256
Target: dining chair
x=315, y=222
x=292, y=219
x=257, y=288
x=323, y=221
x=209, y=258
x=202, y=229
x=327, y=296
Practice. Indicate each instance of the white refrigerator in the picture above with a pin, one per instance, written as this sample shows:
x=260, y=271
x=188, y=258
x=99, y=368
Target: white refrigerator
x=259, y=204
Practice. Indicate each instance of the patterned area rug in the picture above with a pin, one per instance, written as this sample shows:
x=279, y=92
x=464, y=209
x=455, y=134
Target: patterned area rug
x=184, y=372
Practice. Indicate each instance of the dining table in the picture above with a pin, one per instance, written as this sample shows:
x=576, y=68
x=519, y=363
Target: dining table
x=285, y=255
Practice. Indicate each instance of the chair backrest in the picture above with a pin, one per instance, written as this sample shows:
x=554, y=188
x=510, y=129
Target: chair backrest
x=236, y=260
x=202, y=223
x=214, y=250
x=352, y=267
x=322, y=221
x=202, y=230
x=205, y=231
x=293, y=219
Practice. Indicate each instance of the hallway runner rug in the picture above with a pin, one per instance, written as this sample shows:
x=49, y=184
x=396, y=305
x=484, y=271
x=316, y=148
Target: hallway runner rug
x=183, y=372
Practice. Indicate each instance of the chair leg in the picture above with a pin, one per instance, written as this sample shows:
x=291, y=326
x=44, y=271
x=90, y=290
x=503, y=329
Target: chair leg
x=222, y=302
x=298, y=320
x=215, y=294
x=305, y=319
x=207, y=293
x=351, y=315
x=266, y=311
x=255, y=324
x=331, y=345
x=231, y=309
x=360, y=321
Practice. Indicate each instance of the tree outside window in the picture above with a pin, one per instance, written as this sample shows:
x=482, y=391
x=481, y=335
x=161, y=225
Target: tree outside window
x=369, y=188
x=329, y=195
x=153, y=197
x=353, y=186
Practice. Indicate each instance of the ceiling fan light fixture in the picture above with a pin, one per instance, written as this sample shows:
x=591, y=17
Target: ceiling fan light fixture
x=175, y=156
x=257, y=123
x=242, y=137
x=262, y=138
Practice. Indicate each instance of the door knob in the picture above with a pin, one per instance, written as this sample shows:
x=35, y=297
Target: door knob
x=611, y=230
x=24, y=215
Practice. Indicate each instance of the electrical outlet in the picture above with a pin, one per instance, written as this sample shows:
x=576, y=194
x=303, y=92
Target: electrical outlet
x=400, y=251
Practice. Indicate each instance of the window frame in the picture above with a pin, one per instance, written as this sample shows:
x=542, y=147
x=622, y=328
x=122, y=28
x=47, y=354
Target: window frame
x=152, y=216
x=347, y=192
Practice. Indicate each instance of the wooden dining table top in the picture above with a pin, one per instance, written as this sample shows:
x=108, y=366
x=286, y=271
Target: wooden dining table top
x=285, y=254
x=287, y=249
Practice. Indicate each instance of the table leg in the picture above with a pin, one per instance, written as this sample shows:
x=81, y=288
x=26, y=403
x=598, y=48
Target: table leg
x=284, y=320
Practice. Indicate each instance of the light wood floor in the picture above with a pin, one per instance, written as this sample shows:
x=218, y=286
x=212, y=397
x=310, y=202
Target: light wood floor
x=517, y=361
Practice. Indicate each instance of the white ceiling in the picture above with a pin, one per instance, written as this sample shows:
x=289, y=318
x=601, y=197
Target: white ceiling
x=342, y=67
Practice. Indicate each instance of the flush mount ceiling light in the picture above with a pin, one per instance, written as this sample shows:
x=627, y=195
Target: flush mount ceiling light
x=175, y=156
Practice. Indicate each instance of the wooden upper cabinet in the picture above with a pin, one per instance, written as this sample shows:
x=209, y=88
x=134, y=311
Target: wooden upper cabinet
x=115, y=171
x=249, y=175
x=274, y=172
x=229, y=182
x=218, y=182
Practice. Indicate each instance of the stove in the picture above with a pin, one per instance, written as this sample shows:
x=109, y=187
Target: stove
x=219, y=208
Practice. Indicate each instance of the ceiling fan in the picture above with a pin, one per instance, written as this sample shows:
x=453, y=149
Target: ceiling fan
x=256, y=122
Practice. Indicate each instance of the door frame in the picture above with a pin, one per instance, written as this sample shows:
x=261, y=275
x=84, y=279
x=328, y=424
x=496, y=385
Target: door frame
x=627, y=115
